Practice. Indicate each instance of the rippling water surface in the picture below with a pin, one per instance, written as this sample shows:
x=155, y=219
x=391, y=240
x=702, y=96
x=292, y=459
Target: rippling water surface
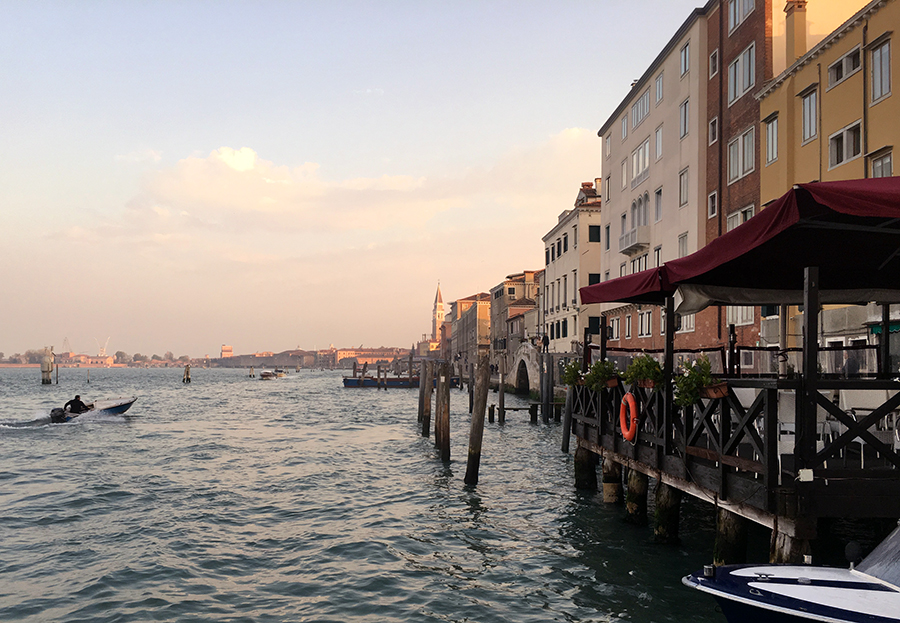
x=235, y=499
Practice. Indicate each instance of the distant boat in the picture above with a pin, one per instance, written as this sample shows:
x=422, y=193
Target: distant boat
x=280, y=373
x=110, y=406
x=267, y=375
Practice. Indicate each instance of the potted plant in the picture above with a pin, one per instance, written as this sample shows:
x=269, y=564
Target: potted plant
x=602, y=374
x=695, y=381
x=571, y=374
x=644, y=371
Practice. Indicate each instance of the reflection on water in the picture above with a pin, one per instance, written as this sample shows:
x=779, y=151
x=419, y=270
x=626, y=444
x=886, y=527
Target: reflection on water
x=233, y=499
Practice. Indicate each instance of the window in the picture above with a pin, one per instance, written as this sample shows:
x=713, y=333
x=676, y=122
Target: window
x=640, y=109
x=511, y=291
x=658, y=204
x=552, y=252
x=772, y=140
x=640, y=163
x=606, y=276
x=593, y=233
x=845, y=145
x=639, y=263
x=565, y=291
x=742, y=74
x=628, y=326
x=739, y=217
x=844, y=67
x=593, y=278
x=624, y=174
x=622, y=270
x=683, y=245
x=547, y=256
x=565, y=242
x=606, y=144
x=739, y=314
x=741, y=156
x=685, y=58
x=575, y=236
x=684, y=119
x=662, y=320
x=713, y=130
x=565, y=327
x=606, y=188
x=738, y=10
x=713, y=63
x=624, y=127
x=683, y=188
x=546, y=297
x=657, y=256
x=809, y=116
x=613, y=328
x=645, y=323
x=687, y=323
x=659, y=88
x=882, y=166
x=659, y=142
x=712, y=204
x=881, y=71
x=558, y=247
x=574, y=287
x=607, y=237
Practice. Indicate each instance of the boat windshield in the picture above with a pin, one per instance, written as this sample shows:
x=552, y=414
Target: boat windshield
x=884, y=561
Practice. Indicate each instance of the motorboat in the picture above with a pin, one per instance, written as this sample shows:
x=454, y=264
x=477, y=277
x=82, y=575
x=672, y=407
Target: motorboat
x=109, y=406
x=280, y=373
x=267, y=375
x=780, y=593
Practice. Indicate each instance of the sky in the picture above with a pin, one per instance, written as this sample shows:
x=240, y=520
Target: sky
x=271, y=175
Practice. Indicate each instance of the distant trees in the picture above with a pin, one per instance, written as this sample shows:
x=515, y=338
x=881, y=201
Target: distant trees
x=169, y=356
x=155, y=358
x=123, y=357
x=139, y=358
x=184, y=358
x=33, y=356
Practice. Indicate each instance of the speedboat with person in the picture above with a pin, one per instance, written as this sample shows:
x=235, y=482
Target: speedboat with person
x=110, y=406
x=781, y=593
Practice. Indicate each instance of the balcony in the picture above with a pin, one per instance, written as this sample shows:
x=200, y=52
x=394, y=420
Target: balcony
x=635, y=240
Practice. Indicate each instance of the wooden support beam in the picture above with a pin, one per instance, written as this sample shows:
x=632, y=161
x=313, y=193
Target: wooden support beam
x=636, y=497
x=428, y=381
x=731, y=538
x=476, y=433
x=567, y=419
x=443, y=413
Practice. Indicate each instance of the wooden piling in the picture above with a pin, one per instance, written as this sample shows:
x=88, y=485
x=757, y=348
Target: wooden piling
x=476, y=434
x=491, y=413
x=667, y=515
x=731, y=538
x=428, y=380
x=442, y=423
x=421, y=392
x=533, y=412
x=502, y=388
x=567, y=419
x=471, y=386
x=636, y=498
x=585, y=470
x=612, y=481
x=252, y=374
x=187, y=373
x=784, y=548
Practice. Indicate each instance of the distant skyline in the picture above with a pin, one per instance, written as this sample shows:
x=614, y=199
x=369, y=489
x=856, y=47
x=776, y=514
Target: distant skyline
x=274, y=175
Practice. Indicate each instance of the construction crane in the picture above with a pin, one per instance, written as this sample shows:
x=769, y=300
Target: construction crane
x=102, y=352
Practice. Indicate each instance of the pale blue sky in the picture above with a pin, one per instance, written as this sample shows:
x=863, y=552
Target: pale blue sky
x=385, y=146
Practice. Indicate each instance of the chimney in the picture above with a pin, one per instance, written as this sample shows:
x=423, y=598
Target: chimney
x=587, y=186
x=795, y=29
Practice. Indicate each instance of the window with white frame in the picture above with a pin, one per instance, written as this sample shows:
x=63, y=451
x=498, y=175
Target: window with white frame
x=881, y=70
x=659, y=88
x=713, y=63
x=738, y=10
x=657, y=199
x=623, y=221
x=712, y=204
x=575, y=287
x=607, y=237
x=844, y=67
x=606, y=188
x=657, y=256
x=575, y=236
x=742, y=73
x=683, y=245
x=739, y=315
x=737, y=218
x=640, y=109
x=684, y=118
x=809, y=116
x=662, y=320
x=741, y=156
x=747, y=359
x=623, y=269
x=606, y=144
x=624, y=174
x=640, y=163
x=882, y=165
x=645, y=323
x=628, y=326
x=713, y=130
x=772, y=140
x=683, y=188
x=614, y=328
x=687, y=323
x=639, y=263
x=845, y=145
x=685, y=58
x=659, y=136
x=624, y=127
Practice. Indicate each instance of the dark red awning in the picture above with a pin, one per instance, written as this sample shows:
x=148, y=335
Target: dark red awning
x=647, y=286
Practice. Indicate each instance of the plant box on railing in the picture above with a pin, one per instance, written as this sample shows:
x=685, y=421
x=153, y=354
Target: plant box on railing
x=719, y=390
x=646, y=383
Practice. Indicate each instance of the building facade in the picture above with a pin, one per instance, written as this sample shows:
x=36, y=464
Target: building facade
x=471, y=327
x=516, y=286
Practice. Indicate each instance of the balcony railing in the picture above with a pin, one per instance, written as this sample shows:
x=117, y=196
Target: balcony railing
x=634, y=240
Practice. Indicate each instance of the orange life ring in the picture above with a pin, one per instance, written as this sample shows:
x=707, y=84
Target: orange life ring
x=628, y=404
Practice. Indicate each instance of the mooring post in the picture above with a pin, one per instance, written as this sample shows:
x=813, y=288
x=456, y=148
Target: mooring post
x=252, y=375
x=731, y=538
x=443, y=412
x=784, y=548
x=57, y=374
x=476, y=434
x=461, y=368
x=585, y=469
x=636, y=498
x=567, y=419
x=426, y=402
x=421, y=391
x=612, y=481
x=668, y=507
x=501, y=397
x=187, y=373
x=548, y=405
x=533, y=412
x=46, y=370
x=471, y=386
x=491, y=413
x=439, y=392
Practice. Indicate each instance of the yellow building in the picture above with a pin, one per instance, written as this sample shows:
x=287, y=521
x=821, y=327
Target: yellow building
x=830, y=114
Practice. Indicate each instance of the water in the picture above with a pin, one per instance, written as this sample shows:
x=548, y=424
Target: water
x=235, y=499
